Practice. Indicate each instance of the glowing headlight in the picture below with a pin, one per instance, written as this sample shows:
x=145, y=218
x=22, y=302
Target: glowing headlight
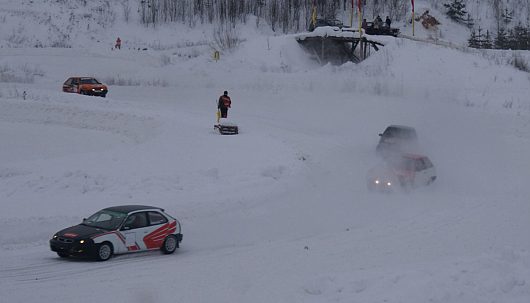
x=376, y=181
x=82, y=241
x=389, y=183
x=55, y=236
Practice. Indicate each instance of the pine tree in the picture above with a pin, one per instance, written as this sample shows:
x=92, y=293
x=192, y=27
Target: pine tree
x=480, y=38
x=520, y=37
x=511, y=40
x=473, y=41
x=486, y=42
x=469, y=21
x=501, y=40
x=456, y=10
x=507, y=16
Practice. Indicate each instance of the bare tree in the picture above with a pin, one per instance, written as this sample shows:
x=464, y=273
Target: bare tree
x=126, y=10
x=397, y=9
x=226, y=37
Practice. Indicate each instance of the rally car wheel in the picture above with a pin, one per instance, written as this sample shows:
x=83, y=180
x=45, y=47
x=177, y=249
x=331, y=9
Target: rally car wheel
x=62, y=255
x=170, y=244
x=104, y=251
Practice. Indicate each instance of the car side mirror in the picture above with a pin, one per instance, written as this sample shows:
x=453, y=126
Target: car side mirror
x=84, y=219
x=380, y=135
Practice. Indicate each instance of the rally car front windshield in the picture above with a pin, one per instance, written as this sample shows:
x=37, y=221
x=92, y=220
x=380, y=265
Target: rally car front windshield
x=89, y=81
x=105, y=219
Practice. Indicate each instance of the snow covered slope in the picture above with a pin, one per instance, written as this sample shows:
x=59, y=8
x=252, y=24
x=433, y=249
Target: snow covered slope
x=280, y=212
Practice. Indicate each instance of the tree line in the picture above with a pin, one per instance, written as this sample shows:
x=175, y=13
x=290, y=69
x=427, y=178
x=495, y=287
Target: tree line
x=281, y=15
x=289, y=16
x=517, y=38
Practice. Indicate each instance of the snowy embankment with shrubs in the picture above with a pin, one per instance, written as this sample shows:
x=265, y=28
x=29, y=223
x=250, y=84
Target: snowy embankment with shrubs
x=280, y=212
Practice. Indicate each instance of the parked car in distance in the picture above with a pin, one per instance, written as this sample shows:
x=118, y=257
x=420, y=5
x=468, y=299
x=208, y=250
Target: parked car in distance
x=404, y=171
x=118, y=230
x=397, y=138
x=85, y=86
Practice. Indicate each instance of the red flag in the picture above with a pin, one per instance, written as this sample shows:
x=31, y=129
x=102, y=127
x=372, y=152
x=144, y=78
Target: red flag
x=412, y=1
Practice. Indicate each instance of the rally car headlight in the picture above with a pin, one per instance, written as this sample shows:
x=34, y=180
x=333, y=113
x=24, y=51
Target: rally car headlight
x=55, y=236
x=82, y=241
x=388, y=183
x=376, y=181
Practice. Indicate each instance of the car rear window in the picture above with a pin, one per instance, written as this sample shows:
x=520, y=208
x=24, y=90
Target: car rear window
x=156, y=218
x=400, y=133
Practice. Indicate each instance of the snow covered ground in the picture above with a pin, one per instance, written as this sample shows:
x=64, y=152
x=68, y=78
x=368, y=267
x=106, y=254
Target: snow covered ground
x=280, y=212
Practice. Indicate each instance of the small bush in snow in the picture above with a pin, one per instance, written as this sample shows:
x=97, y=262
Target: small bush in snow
x=165, y=60
x=22, y=74
x=226, y=37
x=118, y=81
x=520, y=63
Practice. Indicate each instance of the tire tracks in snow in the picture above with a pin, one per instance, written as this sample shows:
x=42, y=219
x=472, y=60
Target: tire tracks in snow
x=135, y=127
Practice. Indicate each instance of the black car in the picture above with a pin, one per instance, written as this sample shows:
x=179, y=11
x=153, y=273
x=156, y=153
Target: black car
x=118, y=230
x=397, y=138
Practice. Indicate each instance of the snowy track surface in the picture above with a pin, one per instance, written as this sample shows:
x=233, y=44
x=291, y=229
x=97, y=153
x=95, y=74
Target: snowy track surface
x=280, y=212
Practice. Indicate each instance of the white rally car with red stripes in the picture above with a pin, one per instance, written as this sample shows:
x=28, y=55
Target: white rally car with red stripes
x=118, y=230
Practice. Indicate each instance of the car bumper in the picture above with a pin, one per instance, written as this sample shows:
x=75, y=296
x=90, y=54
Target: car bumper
x=100, y=93
x=72, y=249
x=383, y=189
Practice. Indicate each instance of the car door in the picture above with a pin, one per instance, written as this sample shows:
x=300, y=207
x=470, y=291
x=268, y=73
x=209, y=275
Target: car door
x=159, y=228
x=67, y=86
x=422, y=173
x=430, y=170
x=75, y=86
x=134, y=230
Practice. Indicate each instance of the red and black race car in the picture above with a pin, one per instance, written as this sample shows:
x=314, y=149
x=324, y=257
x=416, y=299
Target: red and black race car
x=118, y=230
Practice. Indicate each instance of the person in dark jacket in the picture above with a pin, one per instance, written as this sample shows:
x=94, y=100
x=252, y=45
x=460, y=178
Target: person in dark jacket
x=388, y=22
x=378, y=22
x=224, y=104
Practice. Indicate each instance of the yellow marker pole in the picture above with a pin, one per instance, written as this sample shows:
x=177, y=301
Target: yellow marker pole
x=314, y=15
x=218, y=116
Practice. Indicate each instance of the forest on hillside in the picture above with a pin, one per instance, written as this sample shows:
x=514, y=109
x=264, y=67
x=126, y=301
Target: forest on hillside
x=288, y=16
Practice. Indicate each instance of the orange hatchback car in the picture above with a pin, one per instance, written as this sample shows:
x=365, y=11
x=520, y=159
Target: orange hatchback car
x=85, y=86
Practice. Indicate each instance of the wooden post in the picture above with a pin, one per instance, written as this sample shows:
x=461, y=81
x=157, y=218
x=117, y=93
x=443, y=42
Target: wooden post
x=322, y=51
